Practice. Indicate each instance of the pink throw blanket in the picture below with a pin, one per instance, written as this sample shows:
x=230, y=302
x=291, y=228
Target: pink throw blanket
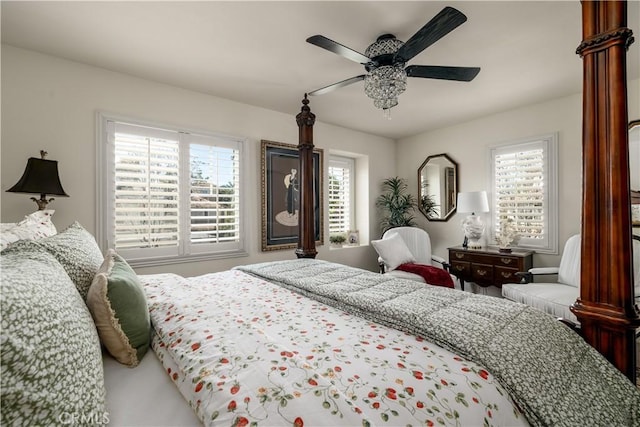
x=432, y=275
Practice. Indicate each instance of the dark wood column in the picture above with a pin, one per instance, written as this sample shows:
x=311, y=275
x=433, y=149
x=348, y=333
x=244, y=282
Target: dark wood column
x=306, y=215
x=606, y=307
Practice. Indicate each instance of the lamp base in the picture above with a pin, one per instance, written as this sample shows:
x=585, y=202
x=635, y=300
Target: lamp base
x=473, y=231
x=474, y=244
x=42, y=202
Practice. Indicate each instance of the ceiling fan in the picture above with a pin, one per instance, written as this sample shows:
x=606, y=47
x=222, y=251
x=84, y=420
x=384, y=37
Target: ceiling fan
x=385, y=59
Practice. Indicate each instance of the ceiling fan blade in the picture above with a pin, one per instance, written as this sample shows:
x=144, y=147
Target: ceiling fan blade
x=337, y=85
x=463, y=74
x=337, y=48
x=440, y=25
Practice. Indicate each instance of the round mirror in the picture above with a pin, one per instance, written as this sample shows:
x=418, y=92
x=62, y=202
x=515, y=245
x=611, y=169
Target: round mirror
x=437, y=187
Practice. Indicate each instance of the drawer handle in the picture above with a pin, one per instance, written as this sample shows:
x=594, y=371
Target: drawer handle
x=481, y=272
x=506, y=260
x=506, y=275
x=459, y=267
x=459, y=256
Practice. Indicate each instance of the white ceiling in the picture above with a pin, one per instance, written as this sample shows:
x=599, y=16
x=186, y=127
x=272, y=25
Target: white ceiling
x=255, y=52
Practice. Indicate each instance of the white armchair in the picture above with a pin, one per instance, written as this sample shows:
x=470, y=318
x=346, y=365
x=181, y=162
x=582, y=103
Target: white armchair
x=556, y=297
x=406, y=244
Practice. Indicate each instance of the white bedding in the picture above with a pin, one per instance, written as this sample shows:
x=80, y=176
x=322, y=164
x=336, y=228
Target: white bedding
x=243, y=350
x=144, y=395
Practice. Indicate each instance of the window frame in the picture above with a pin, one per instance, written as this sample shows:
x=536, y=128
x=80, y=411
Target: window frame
x=184, y=251
x=549, y=145
x=343, y=162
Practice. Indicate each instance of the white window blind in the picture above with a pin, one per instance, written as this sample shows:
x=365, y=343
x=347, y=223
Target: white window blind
x=341, y=194
x=169, y=195
x=146, y=193
x=524, y=190
x=215, y=194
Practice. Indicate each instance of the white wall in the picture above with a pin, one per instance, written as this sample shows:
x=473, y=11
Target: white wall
x=51, y=103
x=468, y=144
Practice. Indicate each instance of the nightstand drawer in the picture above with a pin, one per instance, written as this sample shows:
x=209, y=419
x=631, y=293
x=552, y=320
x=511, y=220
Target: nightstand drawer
x=488, y=266
x=462, y=269
x=482, y=273
x=507, y=261
x=506, y=275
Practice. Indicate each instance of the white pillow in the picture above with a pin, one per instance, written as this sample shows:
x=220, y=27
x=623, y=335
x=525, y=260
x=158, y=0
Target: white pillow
x=393, y=251
x=34, y=226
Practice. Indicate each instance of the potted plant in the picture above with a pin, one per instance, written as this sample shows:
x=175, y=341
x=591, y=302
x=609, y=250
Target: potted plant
x=337, y=239
x=396, y=204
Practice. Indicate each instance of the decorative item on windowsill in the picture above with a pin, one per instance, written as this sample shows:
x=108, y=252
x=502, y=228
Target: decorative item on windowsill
x=40, y=177
x=473, y=226
x=337, y=240
x=507, y=235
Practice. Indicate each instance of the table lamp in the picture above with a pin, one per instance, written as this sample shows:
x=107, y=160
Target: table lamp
x=40, y=177
x=473, y=226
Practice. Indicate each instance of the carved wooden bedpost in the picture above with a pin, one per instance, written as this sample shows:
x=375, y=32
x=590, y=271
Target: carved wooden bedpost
x=606, y=307
x=306, y=215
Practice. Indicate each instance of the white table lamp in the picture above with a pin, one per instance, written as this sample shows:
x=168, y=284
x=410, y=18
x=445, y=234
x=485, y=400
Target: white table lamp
x=472, y=202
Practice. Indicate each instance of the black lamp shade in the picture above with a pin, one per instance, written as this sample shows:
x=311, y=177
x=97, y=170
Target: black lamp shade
x=40, y=177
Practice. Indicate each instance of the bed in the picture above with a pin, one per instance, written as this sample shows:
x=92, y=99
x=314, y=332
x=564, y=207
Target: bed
x=293, y=342
x=305, y=342
x=316, y=343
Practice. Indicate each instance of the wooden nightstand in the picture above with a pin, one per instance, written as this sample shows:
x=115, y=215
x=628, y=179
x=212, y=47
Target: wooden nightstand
x=487, y=266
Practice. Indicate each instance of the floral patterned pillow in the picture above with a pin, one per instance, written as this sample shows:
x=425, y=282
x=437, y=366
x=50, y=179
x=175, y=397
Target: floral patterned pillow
x=51, y=367
x=34, y=226
x=76, y=249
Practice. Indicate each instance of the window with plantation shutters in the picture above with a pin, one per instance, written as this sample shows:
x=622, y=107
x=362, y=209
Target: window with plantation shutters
x=525, y=191
x=214, y=211
x=145, y=190
x=169, y=195
x=341, y=195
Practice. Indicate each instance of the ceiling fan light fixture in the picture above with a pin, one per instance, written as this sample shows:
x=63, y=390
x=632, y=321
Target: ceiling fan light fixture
x=384, y=84
x=386, y=44
x=385, y=60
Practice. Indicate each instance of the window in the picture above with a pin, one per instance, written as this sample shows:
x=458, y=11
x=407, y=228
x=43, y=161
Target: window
x=169, y=195
x=524, y=177
x=341, y=194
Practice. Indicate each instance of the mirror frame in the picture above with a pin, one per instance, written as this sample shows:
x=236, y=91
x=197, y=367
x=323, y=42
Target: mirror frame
x=455, y=187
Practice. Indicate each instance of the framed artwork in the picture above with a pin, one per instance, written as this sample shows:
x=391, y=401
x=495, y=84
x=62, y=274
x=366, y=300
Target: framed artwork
x=280, y=195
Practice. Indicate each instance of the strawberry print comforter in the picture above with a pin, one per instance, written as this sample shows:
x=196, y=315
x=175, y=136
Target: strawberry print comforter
x=553, y=375
x=244, y=351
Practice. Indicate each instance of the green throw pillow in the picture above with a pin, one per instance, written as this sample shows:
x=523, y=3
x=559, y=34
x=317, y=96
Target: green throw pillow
x=119, y=308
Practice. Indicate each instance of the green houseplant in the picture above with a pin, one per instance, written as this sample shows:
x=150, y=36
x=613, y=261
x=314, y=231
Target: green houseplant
x=396, y=204
x=337, y=239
